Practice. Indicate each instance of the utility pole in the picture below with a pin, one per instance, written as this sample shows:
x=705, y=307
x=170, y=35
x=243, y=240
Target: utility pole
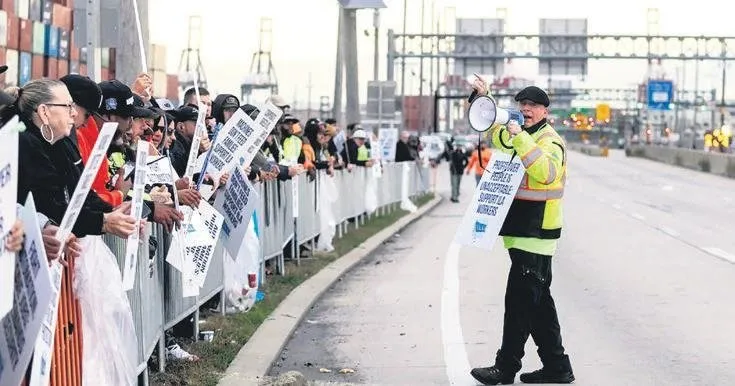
x=403, y=50
x=421, y=72
x=722, y=99
x=376, y=25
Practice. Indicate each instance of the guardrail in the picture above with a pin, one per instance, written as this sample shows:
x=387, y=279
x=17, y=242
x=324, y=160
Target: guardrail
x=722, y=164
x=157, y=301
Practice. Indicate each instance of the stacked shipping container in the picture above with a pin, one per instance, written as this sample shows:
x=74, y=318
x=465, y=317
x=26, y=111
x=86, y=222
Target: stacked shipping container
x=36, y=42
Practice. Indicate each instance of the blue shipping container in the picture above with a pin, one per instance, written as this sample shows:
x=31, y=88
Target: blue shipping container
x=24, y=75
x=51, y=48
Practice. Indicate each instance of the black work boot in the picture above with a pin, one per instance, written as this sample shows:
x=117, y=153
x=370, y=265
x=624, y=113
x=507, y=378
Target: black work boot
x=548, y=376
x=558, y=371
x=493, y=376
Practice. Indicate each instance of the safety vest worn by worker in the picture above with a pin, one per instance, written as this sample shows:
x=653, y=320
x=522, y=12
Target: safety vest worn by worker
x=291, y=150
x=363, y=154
x=536, y=210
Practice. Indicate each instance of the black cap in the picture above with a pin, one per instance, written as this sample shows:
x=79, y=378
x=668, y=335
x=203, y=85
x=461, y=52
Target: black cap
x=117, y=98
x=250, y=110
x=164, y=104
x=187, y=113
x=289, y=118
x=139, y=109
x=533, y=94
x=3, y=68
x=230, y=102
x=84, y=91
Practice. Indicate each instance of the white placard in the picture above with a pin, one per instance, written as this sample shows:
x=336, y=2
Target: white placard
x=493, y=196
x=33, y=292
x=199, y=133
x=201, y=248
x=99, y=152
x=236, y=203
x=240, y=139
x=387, y=139
x=133, y=243
x=159, y=171
x=295, y=196
x=8, y=209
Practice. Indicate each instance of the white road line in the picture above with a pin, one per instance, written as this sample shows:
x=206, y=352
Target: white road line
x=717, y=252
x=637, y=216
x=455, y=354
x=669, y=231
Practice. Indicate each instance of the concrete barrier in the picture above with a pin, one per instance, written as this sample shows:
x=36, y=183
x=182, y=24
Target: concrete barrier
x=714, y=163
x=591, y=150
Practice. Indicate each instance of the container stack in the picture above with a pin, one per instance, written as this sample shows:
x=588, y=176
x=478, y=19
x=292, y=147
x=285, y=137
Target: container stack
x=36, y=42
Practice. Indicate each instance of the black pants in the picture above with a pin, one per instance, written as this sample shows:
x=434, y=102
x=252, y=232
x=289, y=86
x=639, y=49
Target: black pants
x=529, y=309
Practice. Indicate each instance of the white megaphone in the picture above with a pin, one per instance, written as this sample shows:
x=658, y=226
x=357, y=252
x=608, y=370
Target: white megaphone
x=484, y=112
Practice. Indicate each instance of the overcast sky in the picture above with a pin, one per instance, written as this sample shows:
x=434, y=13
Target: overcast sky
x=304, y=35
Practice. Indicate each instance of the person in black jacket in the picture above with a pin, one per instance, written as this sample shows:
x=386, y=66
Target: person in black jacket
x=45, y=168
x=457, y=162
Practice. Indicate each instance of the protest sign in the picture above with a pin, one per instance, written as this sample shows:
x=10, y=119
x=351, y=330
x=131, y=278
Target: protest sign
x=240, y=139
x=32, y=300
x=236, y=204
x=8, y=211
x=131, y=250
x=493, y=196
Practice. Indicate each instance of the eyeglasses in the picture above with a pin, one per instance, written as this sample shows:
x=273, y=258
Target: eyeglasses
x=71, y=106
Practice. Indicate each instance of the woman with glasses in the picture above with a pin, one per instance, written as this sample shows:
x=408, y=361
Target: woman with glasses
x=46, y=108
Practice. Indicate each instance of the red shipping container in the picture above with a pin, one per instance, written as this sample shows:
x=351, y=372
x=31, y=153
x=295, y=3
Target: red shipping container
x=61, y=16
x=105, y=74
x=63, y=68
x=8, y=6
x=73, y=48
x=172, y=87
x=37, y=67
x=26, y=35
x=13, y=32
x=52, y=68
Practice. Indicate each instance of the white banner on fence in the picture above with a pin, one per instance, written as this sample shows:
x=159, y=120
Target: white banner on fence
x=295, y=196
x=236, y=203
x=8, y=210
x=387, y=139
x=99, y=152
x=159, y=171
x=131, y=249
x=33, y=294
x=240, y=139
x=493, y=196
x=199, y=133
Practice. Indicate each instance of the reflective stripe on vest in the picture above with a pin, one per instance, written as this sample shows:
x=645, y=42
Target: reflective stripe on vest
x=539, y=195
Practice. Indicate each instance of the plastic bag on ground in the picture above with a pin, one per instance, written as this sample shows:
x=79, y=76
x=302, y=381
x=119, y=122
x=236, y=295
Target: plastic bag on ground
x=239, y=296
x=110, y=346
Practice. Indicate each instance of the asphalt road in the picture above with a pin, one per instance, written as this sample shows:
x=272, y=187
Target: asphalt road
x=643, y=283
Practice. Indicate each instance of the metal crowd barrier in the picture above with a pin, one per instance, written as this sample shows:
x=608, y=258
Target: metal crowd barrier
x=156, y=300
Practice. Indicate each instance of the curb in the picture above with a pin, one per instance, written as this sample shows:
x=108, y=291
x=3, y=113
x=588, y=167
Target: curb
x=256, y=357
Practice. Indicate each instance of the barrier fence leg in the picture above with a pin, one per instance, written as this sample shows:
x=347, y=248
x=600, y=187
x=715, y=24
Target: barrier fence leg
x=146, y=380
x=162, y=351
x=282, y=264
x=357, y=222
x=222, y=302
x=196, y=324
x=339, y=230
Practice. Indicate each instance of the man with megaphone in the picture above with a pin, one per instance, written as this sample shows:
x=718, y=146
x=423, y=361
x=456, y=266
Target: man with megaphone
x=530, y=233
